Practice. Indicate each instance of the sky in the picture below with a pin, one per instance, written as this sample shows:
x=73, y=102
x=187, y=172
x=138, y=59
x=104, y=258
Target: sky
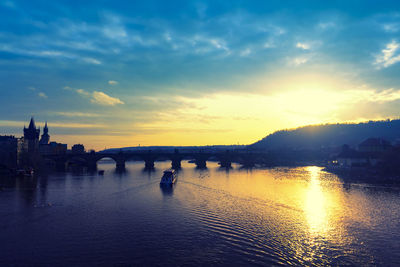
x=115, y=74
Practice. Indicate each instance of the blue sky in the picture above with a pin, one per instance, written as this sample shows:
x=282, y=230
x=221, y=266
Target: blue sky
x=111, y=73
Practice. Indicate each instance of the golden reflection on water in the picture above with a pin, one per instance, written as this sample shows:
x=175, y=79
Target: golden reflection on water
x=315, y=206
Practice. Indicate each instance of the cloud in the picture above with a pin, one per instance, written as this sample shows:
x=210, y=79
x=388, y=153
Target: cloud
x=77, y=114
x=218, y=44
x=303, y=46
x=34, y=52
x=269, y=44
x=388, y=56
x=91, y=60
x=53, y=124
x=245, y=52
x=298, y=61
x=9, y=4
x=391, y=27
x=42, y=95
x=104, y=99
x=370, y=95
x=114, y=28
x=100, y=98
x=326, y=25
x=111, y=82
x=82, y=92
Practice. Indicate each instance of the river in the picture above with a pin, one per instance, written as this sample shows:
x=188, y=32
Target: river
x=278, y=216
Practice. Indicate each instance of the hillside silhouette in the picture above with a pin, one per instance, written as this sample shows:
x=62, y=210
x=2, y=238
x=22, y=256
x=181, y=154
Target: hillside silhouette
x=329, y=135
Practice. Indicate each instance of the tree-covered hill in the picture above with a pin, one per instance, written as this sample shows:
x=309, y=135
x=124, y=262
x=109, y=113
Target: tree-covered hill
x=329, y=135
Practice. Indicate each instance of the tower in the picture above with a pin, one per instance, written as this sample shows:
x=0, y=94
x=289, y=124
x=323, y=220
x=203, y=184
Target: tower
x=31, y=144
x=44, y=140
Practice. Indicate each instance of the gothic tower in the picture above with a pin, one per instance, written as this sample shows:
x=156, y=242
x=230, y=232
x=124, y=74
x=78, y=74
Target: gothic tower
x=44, y=140
x=31, y=144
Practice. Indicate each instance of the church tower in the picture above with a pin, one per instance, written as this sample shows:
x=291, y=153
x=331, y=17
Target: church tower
x=31, y=144
x=45, y=139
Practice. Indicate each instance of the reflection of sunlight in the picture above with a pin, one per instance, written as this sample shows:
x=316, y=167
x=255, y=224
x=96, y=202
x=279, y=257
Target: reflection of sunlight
x=315, y=203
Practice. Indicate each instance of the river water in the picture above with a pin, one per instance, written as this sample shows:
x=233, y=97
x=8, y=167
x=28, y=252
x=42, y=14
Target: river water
x=279, y=216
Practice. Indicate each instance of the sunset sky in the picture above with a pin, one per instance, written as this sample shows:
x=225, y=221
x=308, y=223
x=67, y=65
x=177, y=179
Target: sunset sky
x=113, y=74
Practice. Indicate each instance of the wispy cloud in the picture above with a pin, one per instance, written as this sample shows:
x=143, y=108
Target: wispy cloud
x=245, y=52
x=91, y=60
x=383, y=96
x=34, y=52
x=104, y=99
x=42, y=95
x=53, y=124
x=297, y=61
x=391, y=27
x=100, y=98
x=326, y=25
x=9, y=4
x=304, y=46
x=111, y=82
x=77, y=114
x=82, y=92
x=388, y=56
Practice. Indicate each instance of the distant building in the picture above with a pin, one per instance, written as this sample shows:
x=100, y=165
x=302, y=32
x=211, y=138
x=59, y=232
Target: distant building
x=53, y=148
x=351, y=158
x=29, y=149
x=45, y=139
x=78, y=149
x=50, y=148
x=8, y=152
x=373, y=145
x=371, y=152
x=31, y=138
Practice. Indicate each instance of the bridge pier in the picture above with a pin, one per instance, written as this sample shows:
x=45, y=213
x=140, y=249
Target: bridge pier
x=149, y=163
x=201, y=160
x=248, y=161
x=225, y=164
x=120, y=164
x=225, y=159
x=61, y=165
x=92, y=164
x=176, y=159
x=176, y=163
x=201, y=164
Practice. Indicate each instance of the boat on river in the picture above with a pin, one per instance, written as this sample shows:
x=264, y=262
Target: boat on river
x=25, y=172
x=169, y=177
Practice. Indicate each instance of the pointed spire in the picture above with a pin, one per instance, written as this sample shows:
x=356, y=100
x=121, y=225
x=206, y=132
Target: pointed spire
x=32, y=124
x=45, y=129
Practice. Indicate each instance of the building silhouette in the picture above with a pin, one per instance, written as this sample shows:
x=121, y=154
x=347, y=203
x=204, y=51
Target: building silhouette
x=45, y=139
x=28, y=154
x=31, y=138
x=78, y=149
x=8, y=153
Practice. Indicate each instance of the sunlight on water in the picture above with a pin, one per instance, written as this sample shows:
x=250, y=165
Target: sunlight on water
x=214, y=216
x=315, y=205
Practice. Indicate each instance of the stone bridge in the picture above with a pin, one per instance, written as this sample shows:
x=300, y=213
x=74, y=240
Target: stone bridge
x=225, y=159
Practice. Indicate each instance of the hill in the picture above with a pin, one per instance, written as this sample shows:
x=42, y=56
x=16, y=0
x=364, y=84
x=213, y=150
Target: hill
x=329, y=135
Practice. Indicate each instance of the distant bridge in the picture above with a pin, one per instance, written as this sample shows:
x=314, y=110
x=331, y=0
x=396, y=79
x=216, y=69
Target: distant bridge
x=225, y=159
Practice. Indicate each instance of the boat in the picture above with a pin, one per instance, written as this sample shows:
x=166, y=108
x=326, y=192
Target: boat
x=101, y=172
x=25, y=172
x=169, y=177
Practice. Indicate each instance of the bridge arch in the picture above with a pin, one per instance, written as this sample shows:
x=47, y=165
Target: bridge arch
x=105, y=157
x=117, y=158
